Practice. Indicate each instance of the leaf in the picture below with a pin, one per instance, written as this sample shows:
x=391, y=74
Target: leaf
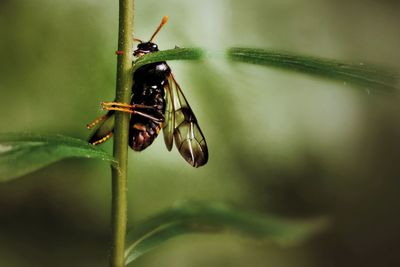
x=195, y=217
x=359, y=74
x=171, y=54
x=24, y=153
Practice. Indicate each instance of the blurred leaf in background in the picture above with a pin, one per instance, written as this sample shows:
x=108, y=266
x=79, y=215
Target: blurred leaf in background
x=281, y=143
x=202, y=217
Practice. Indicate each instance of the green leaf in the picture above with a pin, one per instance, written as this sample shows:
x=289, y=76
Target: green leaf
x=171, y=54
x=360, y=74
x=24, y=153
x=195, y=217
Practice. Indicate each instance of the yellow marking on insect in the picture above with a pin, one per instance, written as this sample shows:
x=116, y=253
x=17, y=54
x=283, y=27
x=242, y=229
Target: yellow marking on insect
x=139, y=126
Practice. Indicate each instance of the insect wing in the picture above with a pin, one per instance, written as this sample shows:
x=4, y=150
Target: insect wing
x=169, y=123
x=104, y=129
x=188, y=137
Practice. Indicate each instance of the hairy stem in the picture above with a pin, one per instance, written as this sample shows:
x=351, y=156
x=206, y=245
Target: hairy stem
x=119, y=174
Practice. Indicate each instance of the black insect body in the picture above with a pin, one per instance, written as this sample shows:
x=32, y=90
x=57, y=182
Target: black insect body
x=148, y=90
x=157, y=103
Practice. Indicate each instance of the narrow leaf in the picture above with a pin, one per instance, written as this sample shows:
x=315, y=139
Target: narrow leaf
x=360, y=74
x=194, y=217
x=24, y=153
x=171, y=54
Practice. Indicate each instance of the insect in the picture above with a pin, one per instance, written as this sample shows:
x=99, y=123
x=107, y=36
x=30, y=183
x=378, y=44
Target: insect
x=157, y=103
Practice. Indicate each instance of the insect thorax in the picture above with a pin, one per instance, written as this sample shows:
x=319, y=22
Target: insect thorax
x=154, y=73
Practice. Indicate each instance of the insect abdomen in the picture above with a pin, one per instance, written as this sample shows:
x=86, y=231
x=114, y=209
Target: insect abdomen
x=148, y=92
x=143, y=135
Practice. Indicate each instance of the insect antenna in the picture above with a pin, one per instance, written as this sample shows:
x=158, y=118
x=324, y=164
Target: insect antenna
x=163, y=21
x=137, y=40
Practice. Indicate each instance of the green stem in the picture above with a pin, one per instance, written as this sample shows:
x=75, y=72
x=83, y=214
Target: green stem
x=119, y=173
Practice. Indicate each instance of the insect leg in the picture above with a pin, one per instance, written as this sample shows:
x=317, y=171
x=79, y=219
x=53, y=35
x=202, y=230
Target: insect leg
x=96, y=121
x=127, y=110
x=118, y=104
x=132, y=111
x=149, y=116
x=123, y=105
x=102, y=140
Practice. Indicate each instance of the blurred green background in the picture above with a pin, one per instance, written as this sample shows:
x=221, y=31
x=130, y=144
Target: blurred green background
x=279, y=142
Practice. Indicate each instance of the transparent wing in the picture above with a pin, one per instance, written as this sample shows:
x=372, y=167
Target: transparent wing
x=188, y=137
x=169, y=122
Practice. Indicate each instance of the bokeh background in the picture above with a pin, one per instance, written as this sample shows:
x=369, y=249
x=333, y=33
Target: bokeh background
x=279, y=142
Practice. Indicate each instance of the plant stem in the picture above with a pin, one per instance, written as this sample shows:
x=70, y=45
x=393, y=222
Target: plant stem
x=119, y=173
